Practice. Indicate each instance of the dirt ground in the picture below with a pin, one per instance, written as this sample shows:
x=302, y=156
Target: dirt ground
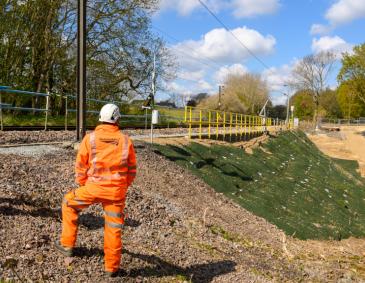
x=178, y=229
x=348, y=143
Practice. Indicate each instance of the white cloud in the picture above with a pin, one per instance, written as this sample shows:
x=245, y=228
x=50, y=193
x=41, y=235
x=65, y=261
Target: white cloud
x=204, y=86
x=345, y=11
x=186, y=7
x=236, y=69
x=278, y=77
x=191, y=76
x=251, y=8
x=278, y=99
x=320, y=29
x=239, y=8
x=220, y=46
x=187, y=89
x=334, y=44
x=341, y=12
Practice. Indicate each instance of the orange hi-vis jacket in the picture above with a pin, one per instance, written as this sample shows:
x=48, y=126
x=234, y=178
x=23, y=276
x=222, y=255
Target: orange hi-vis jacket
x=106, y=158
x=105, y=167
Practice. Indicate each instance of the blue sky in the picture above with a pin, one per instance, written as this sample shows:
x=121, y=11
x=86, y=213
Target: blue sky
x=278, y=32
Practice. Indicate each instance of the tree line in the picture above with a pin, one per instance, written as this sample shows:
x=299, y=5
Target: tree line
x=313, y=98
x=247, y=93
x=38, y=53
x=38, y=47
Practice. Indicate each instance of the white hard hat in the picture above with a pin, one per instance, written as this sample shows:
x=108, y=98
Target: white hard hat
x=109, y=113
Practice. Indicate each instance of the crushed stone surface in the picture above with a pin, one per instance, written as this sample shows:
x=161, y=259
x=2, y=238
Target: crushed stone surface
x=34, y=150
x=178, y=229
x=20, y=137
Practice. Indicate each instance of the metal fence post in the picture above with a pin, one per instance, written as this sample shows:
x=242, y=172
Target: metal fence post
x=241, y=126
x=200, y=123
x=236, y=124
x=66, y=112
x=245, y=126
x=190, y=122
x=253, y=125
x=217, y=131
x=224, y=125
x=230, y=125
x=47, y=107
x=257, y=124
x=250, y=125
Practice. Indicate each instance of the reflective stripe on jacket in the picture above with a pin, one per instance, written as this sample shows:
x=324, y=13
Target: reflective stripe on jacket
x=106, y=157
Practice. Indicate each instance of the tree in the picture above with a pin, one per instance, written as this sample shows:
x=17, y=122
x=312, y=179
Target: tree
x=328, y=103
x=200, y=96
x=242, y=93
x=196, y=99
x=303, y=104
x=311, y=74
x=277, y=111
x=350, y=103
x=38, y=48
x=191, y=103
x=353, y=71
x=178, y=99
x=252, y=92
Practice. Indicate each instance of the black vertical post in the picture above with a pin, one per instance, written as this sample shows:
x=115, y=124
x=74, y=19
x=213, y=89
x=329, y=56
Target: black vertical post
x=81, y=70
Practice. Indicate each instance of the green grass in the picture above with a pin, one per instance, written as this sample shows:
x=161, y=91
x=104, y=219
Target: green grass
x=292, y=185
x=217, y=230
x=170, y=118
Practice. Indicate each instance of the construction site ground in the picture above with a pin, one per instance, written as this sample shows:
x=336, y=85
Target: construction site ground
x=178, y=228
x=348, y=143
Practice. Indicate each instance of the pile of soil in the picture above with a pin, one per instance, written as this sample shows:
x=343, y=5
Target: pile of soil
x=349, y=143
x=177, y=229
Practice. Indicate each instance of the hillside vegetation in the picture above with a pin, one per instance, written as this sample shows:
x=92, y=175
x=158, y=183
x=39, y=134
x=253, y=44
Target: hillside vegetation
x=287, y=181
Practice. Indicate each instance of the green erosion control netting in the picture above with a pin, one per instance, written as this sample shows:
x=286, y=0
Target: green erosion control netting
x=290, y=183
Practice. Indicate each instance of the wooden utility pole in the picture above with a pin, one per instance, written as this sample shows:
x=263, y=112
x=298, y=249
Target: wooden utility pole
x=81, y=70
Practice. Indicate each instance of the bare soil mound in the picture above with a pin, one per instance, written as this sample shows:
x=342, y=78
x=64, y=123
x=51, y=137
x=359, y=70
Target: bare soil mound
x=349, y=143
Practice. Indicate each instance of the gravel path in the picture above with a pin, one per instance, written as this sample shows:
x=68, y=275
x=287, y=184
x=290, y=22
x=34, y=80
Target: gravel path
x=38, y=150
x=178, y=229
x=20, y=137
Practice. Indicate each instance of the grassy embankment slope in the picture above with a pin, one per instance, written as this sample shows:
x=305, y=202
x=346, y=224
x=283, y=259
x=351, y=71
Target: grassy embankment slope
x=290, y=183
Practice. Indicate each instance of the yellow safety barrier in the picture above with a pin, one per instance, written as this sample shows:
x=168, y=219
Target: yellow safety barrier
x=204, y=122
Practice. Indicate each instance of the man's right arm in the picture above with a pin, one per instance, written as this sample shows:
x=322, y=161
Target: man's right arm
x=82, y=161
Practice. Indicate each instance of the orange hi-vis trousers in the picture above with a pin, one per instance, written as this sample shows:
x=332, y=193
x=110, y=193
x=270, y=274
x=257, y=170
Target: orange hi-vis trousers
x=81, y=198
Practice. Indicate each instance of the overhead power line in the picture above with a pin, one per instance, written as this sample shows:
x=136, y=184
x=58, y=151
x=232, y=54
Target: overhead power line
x=227, y=29
x=219, y=65
x=186, y=53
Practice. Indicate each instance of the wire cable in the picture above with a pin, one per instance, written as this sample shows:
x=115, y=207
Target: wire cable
x=227, y=29
x=177, y=40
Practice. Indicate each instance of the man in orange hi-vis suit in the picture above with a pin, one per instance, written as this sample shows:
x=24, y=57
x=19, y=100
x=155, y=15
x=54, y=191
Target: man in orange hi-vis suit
x=105, y=168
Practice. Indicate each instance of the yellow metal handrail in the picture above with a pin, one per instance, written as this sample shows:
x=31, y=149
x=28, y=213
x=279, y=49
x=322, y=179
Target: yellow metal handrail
x=229, y=123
